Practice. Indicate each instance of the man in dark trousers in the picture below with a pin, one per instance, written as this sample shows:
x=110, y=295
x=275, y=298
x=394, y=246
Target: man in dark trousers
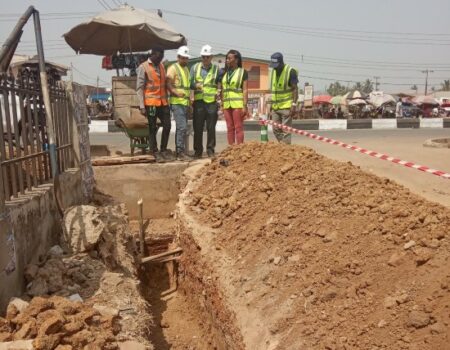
x=204, y=83
x=152, y=94
x=284, y=90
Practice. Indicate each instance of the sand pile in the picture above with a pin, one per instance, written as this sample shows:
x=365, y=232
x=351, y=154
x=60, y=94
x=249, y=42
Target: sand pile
x=334, y=258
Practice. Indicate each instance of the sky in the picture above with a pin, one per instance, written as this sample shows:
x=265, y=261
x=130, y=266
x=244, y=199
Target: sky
x=327, y=40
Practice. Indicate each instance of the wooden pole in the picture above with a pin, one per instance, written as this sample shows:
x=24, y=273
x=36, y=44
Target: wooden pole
x=141, y=227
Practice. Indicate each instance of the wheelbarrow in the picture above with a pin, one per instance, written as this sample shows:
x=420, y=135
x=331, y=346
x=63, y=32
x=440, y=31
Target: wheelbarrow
x=139, y=136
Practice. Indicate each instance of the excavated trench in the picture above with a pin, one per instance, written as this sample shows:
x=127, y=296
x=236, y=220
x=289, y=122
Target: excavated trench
x=187, y=309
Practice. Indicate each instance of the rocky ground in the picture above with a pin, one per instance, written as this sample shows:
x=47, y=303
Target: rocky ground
x=85, y=292
x=330, y=256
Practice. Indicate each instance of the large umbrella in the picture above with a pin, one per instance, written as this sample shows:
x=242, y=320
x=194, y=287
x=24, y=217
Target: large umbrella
x=124, y=29
x=356, y=102
x=337, y=100
x=425, y=100
x=321, y=99
x=355, y=94
x=379, y=100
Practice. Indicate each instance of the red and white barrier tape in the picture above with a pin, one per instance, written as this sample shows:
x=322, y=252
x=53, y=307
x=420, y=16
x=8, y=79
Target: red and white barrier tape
x=358, y=149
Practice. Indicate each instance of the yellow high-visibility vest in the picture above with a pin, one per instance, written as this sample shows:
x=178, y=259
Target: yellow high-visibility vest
x=182, y=85
x=209, y=86
x=233, y=94
x=280, y=89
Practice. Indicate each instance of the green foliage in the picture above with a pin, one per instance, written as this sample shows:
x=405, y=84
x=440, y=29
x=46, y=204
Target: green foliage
x=445, y=86
x=337, y=88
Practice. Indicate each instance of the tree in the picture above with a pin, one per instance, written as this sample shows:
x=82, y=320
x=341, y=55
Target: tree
x=415, y=88
x=367, y=86
x=337, y=88
x=445, y=86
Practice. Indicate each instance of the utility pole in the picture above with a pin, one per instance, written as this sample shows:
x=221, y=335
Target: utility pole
x=426, y=79
x=97, y=85
x=376, y=83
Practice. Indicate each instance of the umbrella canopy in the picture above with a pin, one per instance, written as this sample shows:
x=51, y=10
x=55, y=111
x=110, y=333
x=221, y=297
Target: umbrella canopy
x=124, y=29
x=379, y=100
x=337, y=100
x=320, y=99
x=357, y=101
x=425, y=100
x=354, y=94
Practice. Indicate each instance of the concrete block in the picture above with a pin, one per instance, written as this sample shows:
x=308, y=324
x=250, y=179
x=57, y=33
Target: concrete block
x=408, y=123
x=384, y=124
x=332, y=124
x=359, y=124
x=98, y=126
x=431, y=123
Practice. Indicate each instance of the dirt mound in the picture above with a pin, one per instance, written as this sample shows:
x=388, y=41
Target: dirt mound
x=334, y=258
x=57, y=322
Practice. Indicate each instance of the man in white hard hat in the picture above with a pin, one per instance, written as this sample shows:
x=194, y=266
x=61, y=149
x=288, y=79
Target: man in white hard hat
x=178, y=84
x=204, y=81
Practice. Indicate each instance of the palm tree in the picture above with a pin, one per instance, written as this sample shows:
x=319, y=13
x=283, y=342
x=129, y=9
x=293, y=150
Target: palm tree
x=445, y=85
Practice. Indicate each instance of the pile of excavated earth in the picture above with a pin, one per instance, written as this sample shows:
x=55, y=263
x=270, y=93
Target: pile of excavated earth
x=84, y=294
x=287, y=249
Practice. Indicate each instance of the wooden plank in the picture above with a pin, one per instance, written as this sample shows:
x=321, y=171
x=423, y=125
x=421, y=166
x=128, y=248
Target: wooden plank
x=5, y=188
x=17, y=140
x=37, y=127
x=12, y=167
x=31, y=138
x=105, y=161
x=157, y=256
x=140, y=204
x=126, y=100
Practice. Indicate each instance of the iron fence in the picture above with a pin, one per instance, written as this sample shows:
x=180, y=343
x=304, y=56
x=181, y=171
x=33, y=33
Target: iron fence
x=25, y=161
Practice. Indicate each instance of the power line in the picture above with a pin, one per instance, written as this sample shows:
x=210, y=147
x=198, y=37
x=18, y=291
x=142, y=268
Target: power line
x=102, y=4
x=319, y=62
x=322, y=34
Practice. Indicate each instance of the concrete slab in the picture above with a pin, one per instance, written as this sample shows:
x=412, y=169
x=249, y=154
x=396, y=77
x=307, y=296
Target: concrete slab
x=332, y=124
x=384, y=123
x=431, y=123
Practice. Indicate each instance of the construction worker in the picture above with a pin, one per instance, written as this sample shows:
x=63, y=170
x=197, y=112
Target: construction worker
x=234, y=96
x=178, y=83
x=152, y=94
x=284, y=90
x=204, y=83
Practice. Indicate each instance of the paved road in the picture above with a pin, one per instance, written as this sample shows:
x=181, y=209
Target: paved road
x=406, y=144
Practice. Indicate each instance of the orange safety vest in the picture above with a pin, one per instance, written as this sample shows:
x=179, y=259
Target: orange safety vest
x=155, y=86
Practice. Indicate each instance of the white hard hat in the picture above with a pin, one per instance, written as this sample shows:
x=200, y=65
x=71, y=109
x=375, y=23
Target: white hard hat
x=206, y=50
x=183, y=51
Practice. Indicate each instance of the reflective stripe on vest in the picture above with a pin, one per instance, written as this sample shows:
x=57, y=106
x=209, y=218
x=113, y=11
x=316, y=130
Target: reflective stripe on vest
x=209, y=86
x=280, y=89
x=233, y=95
x=181, y=86
x=155, y=86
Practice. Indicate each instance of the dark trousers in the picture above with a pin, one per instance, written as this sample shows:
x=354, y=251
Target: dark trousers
x=163, y=114
x=204, y=113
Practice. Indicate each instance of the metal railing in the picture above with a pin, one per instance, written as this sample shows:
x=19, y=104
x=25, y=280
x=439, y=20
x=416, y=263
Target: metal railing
x=25, y=161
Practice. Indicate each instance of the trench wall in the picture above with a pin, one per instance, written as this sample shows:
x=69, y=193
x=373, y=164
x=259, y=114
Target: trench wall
x=156, y=184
